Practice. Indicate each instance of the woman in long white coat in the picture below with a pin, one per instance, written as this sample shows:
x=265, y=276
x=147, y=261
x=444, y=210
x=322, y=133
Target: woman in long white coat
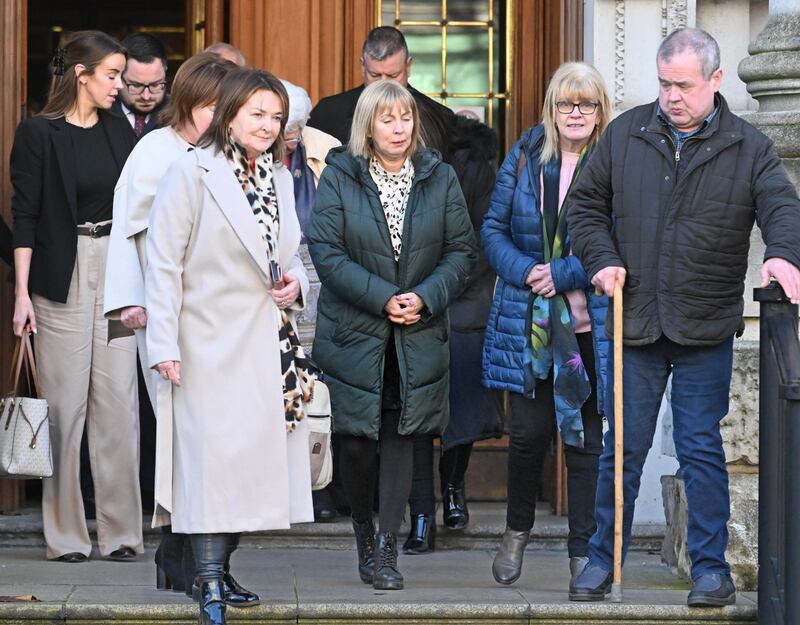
x=193, y=97
x=223, y=284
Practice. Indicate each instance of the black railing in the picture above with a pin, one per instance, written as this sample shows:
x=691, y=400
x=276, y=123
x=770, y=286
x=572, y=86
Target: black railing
x=779, y=460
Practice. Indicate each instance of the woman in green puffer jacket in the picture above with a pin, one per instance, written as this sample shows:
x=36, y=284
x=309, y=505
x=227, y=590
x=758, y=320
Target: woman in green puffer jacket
x=393, y=244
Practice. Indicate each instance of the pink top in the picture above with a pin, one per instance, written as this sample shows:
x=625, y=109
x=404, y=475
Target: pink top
x=576, y=298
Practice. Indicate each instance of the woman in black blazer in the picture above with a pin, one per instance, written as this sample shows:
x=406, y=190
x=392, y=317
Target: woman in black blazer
x=64, y=165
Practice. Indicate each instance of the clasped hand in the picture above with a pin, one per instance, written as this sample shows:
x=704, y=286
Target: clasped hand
x=404, y=309
x=540, y=279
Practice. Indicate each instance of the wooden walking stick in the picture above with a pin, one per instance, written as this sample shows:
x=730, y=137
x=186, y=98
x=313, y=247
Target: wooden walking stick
x=616, y=586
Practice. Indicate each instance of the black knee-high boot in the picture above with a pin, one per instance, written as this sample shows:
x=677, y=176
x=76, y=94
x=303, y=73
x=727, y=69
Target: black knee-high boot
x=210, y=552
x=169, y=561
x=236, y=595
x=452, y=469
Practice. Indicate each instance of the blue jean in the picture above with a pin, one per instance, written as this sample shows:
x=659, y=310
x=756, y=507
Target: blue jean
x=701, y=378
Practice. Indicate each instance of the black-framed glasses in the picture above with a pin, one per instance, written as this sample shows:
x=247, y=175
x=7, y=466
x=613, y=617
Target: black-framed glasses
x=137, y=88
x=585, y=108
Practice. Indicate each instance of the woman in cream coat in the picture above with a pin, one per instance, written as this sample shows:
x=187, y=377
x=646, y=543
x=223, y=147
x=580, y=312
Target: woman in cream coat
x=194, y=94
x=215, y=309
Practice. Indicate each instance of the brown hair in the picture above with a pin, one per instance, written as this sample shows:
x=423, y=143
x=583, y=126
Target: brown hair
x=236, y=89
x=196, y=84
x=85, y=47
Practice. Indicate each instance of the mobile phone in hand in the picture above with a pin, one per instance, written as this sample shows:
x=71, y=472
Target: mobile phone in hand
x=276, y=273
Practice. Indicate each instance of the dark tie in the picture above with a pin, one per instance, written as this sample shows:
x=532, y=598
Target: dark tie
x=138, y=123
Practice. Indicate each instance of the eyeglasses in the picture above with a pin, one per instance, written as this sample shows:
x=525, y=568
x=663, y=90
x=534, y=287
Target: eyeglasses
x=137, y=88
x=585, y=108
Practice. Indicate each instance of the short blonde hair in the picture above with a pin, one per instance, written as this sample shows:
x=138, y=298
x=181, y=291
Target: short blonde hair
x=571, y=82
x=377, y=97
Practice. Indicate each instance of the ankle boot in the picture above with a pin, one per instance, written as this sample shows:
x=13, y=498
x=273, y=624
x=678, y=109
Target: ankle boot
x=507, y=565
x=212, y=605
x=169, y=562
x=387, y=577
x=422, y=536
x=236, y=595
x=454, y=507
x=365, y=545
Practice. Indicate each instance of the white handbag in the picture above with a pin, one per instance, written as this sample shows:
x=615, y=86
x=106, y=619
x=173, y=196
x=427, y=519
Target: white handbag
x=318, y=413
x=25, y=451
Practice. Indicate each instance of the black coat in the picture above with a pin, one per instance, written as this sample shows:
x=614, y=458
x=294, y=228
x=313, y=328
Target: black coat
x=684, y=242
x=44, y=206
x=334, y=115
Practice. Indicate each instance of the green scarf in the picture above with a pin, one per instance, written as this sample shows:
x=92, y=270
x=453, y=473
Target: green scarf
x=553, y=342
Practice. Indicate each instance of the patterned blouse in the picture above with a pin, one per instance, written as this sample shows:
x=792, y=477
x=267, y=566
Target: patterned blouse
x=394, y=190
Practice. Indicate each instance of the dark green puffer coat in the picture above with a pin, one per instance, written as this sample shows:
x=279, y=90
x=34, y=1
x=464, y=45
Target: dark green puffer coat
x=350, y=246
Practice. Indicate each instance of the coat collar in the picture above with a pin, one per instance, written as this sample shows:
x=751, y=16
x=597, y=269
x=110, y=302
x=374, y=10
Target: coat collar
x=221, y=182
x=65, y=154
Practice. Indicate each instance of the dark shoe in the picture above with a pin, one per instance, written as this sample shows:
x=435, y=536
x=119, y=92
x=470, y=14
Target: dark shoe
x=73, y=557
x=212, y=606
x=712, y=590
x=576, y=566
x=169, y=562
x=123, y=554
x=387, y=577
x=593, y=584
x=236, y=595
x=422, y=537
x=507, y=565
x=454, y=507
x=365, y=545
x=324, y=512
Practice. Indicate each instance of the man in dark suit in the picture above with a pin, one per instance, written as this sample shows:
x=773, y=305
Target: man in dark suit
x=384, y=56
x=145, y=80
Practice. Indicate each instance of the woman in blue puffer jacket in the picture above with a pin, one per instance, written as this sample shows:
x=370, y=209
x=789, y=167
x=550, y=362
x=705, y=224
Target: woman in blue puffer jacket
x=544, y=340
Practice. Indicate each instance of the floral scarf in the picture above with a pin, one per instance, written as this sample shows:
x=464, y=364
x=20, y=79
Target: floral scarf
x=553, y=342
x=255, y=177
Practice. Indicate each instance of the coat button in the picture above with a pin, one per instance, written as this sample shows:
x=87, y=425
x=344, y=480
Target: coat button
x=663, y=140
x=666, y=178
x=708, y=149
x=643, y=129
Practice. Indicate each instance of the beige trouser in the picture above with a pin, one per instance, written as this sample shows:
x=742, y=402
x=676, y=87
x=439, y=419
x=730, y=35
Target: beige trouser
x=87, y=381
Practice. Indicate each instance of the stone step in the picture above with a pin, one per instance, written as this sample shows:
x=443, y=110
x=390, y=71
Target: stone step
x=487, y=522
x=310, y=586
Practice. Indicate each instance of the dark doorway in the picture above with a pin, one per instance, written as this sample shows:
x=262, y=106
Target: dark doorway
x=50, y=20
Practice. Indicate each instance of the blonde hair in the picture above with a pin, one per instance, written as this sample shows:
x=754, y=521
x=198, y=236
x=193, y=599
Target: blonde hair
x=377, y=97
x=573, y=81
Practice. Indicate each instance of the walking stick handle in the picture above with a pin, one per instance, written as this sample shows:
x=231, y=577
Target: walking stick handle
x=616, y=587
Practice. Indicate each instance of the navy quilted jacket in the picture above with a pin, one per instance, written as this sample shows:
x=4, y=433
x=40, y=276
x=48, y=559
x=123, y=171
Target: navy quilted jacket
x=512, y=241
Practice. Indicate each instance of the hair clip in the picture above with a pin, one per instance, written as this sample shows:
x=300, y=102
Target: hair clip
x=58, y=61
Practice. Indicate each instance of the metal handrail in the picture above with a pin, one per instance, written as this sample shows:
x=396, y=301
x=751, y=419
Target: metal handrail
x=779, y=453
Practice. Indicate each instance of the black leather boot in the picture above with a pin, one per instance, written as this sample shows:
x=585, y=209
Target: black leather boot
x=169, y=562
x=454, y=507
x=422, y=536
x=365, y=545
x=387, y=577
x=236, y=595
x=212, y=605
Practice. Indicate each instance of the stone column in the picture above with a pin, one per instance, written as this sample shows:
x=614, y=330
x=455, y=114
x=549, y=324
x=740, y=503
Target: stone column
x=772, y=75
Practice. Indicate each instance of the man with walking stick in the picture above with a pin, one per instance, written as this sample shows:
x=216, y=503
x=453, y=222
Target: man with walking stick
x=681, y=181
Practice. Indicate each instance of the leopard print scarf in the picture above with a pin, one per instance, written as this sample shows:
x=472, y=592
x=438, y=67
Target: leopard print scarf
x=255, y=177
x=394, y=190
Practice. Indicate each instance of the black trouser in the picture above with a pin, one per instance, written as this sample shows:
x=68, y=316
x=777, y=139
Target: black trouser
x=212, y=553
x=359, y=470
x=533, y=426
x=453, y=465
